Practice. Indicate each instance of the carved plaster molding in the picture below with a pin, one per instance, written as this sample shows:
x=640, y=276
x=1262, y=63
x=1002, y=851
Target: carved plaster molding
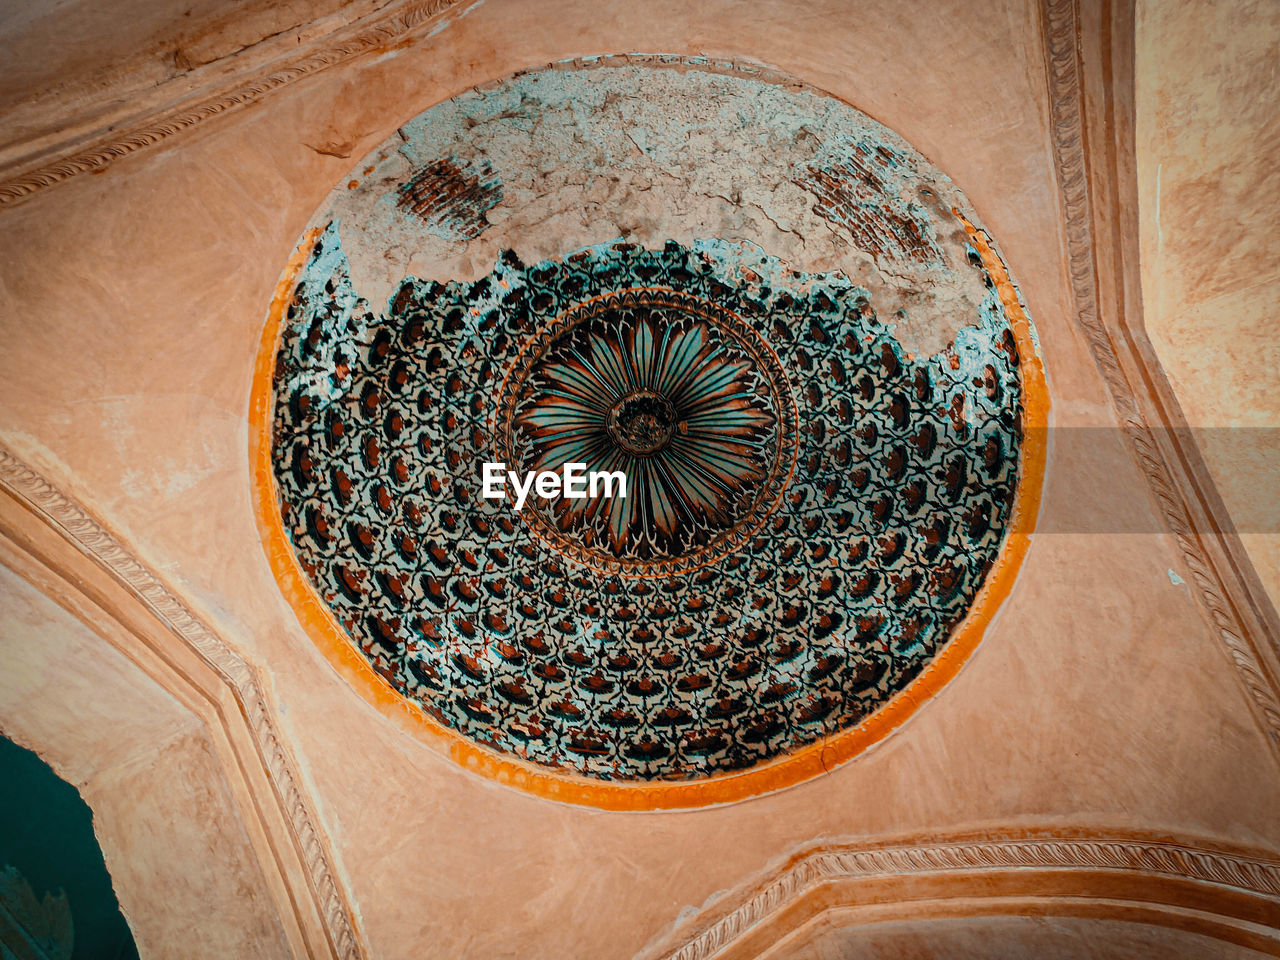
x=98, y=544
x=1169, y=486
x=332, y=49
x=1250, y=875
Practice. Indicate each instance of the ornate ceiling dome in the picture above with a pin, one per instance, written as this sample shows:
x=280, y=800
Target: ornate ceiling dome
x=761, y=308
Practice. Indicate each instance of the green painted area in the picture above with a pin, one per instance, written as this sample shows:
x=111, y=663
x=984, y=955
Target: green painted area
x=774, y=606
x=52, y=870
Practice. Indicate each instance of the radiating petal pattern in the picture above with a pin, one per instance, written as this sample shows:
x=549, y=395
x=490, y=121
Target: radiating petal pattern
x=678, y=394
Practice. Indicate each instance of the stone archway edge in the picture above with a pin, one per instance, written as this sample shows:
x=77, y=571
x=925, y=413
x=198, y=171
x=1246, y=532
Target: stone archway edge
x=69, y=520
x=1220, y=876
x=1220, y=871
x=1091, y=133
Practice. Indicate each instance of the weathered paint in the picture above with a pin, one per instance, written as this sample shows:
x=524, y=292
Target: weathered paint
x=683, y=153
x=450, y=200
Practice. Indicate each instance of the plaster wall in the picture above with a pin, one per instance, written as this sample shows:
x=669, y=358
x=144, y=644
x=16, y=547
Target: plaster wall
x=132, y=306
x=177, y=853
x=1208, y=135
x=78, y=63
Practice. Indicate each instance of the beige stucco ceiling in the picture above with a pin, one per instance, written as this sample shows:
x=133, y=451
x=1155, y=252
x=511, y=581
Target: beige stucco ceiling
x=1208, y=134
x=132, y=307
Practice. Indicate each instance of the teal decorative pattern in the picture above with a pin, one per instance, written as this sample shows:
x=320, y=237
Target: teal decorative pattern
x=812, y=507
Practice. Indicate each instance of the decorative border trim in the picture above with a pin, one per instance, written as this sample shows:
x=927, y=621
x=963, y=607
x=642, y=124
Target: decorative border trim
x=1244, y=873
x=98, y=544
x=366, y=34
x=1062, y=51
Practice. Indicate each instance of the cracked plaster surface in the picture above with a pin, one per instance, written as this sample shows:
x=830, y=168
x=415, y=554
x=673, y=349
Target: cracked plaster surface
x=650, y=153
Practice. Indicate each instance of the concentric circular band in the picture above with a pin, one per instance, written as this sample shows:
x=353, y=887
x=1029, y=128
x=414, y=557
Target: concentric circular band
x=720, y=465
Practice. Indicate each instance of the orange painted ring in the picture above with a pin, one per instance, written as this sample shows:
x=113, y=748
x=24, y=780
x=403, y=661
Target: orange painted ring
x=803, y=764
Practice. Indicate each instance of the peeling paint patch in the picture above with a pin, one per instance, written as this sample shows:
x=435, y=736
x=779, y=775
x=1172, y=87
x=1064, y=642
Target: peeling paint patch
x=448, y=197
x=851, y=193
x=653, y=149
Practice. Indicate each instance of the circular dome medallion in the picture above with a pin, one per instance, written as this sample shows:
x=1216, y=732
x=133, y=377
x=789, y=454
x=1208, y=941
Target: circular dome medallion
x=640, y=421
x=775, y=321
x=677, y=394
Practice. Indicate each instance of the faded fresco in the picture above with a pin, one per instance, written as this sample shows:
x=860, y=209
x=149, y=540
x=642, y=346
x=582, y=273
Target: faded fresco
x=753, y=301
